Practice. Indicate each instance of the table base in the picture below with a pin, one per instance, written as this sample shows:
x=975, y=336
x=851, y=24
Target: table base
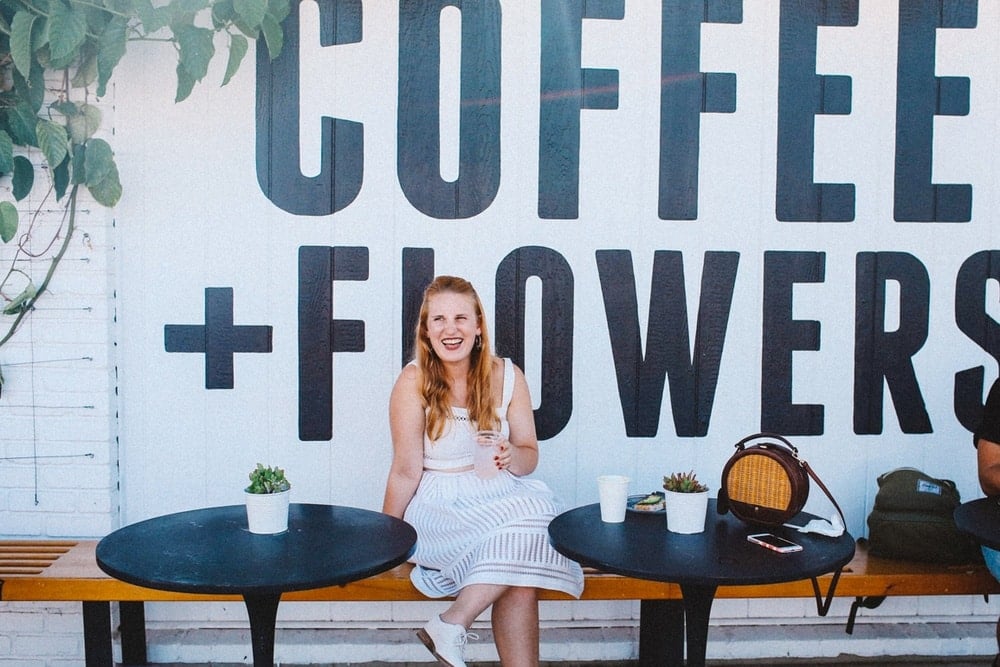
x=670, y=624
x=263, y=612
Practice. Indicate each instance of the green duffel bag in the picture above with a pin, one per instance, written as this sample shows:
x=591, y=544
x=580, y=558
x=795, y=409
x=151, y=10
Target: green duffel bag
x=912, y=520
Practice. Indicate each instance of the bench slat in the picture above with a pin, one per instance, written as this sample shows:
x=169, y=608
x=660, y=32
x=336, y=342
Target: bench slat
x=72, y=575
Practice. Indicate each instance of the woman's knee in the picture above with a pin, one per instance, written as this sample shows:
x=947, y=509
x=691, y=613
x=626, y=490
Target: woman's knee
x=521, y=595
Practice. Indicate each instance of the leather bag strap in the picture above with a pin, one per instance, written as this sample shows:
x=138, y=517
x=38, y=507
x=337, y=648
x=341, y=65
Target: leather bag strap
x=822, y=605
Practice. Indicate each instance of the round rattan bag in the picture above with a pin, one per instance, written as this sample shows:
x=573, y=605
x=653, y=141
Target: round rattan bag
x=764, y=483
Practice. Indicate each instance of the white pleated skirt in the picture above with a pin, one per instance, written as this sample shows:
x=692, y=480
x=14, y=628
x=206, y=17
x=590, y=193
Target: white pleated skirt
x=494, y=531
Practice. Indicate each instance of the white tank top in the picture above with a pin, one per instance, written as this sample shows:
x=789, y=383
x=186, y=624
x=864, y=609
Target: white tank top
x=454, y=449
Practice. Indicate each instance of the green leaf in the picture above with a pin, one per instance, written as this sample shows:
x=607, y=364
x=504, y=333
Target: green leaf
x=6, y=153
x=20, y=41
x=196, y=46
x=102, y=173
x=98, y=160
x=108, y=190
x=24, y=177
x=84, y=123
x=22, y=301
x=279, y=9
x=273, y=36
x=60, y=178
x=152, y=18
x=21, y=122
x=8, y=221
x=251, y=11
x=110, y=49
x=31, y=88
x=86, y=69
x=222, y=13
x=237, y=50
x=66, y=30
x=53, y=141
x=185, y=84
x=79, y=166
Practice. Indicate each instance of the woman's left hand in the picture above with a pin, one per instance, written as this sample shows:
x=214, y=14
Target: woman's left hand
x=504, y=454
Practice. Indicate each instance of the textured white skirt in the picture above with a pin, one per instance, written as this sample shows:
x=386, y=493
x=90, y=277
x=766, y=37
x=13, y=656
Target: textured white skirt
x=486, y=531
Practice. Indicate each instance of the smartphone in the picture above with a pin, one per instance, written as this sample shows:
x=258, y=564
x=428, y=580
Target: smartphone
x=774, y=543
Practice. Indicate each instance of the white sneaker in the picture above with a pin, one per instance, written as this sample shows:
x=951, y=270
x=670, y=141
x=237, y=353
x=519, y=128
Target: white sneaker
x=445, y=641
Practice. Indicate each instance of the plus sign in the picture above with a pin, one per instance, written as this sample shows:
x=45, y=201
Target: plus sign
x=217, y=339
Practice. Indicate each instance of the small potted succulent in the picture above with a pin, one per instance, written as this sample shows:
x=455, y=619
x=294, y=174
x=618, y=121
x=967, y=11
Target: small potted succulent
x=267, y=500
x=686, y=501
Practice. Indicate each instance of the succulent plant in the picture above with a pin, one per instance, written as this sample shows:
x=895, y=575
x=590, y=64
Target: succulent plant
x=683, y=482
x=265, y=479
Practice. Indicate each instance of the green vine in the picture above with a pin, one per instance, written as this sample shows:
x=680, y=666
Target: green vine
x=55, y=55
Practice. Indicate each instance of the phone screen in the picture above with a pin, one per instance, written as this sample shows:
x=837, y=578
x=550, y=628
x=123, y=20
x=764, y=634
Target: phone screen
x=774, y=542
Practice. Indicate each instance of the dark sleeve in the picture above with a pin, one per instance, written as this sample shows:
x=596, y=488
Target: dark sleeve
x=989, y=428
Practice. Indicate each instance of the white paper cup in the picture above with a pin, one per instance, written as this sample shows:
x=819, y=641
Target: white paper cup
x=613, y=490
x=487, y=446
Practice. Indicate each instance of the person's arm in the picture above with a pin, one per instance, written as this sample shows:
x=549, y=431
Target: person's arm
x=519, y=453
x=988, y=457
x=407, y=423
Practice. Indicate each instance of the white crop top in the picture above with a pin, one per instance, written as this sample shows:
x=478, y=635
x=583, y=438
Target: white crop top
x=454, y=449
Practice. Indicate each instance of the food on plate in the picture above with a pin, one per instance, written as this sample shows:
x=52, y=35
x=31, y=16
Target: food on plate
x=651, y=503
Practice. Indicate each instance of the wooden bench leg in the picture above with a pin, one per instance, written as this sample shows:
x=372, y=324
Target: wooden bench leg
x=132, y=617
x=97, y=634
x=661, y=633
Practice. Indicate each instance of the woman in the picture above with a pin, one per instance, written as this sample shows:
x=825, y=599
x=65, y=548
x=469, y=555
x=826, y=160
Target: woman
x=483, y=541
x=987, y=442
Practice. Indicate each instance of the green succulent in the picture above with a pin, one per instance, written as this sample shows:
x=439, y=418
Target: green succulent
x=683, y=482
x=265, y=479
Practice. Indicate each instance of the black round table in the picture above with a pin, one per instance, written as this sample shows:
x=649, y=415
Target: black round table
x=212, y=551
x=980, y=519
x=641, y=547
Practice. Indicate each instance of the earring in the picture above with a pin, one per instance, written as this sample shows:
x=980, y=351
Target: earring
x=478, y=342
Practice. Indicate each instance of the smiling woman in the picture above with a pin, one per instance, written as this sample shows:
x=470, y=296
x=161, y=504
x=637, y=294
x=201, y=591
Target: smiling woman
x=480, y=537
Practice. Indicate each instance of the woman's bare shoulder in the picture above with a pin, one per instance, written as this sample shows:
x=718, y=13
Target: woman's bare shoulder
x=409, y=377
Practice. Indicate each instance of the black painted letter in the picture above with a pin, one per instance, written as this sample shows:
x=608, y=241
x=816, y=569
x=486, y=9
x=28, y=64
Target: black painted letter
x=685, y=93
x=972, y=320
x=566, y=88
x=419, y=132
x=919, y=97
x=802, y=94
x=320, y=335
x=885, y=357
x=693, y=374
x=342, y=162
x=556, y=402
x=781, y=337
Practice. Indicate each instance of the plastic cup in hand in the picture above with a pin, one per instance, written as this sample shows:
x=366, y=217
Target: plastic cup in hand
x=613, y=490
x=487, y=447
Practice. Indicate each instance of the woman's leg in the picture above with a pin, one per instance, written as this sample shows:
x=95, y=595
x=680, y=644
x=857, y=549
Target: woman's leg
x=515, y=627
x=472, y=601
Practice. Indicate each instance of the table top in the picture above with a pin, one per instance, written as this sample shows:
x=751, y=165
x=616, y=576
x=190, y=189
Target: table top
x=980, y=519
x=211, y=550
x=642, y=547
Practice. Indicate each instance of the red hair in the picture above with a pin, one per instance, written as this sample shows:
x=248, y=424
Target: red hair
x=435, y=390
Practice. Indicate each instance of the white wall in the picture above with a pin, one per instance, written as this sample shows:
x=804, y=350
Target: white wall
x=193, y=217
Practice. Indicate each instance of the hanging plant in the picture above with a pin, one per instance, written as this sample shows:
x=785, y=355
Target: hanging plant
x=55, y=55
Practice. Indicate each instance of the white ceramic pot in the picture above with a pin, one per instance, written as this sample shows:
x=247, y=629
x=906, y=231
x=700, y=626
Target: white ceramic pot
x=267, y=513
x=686, y=511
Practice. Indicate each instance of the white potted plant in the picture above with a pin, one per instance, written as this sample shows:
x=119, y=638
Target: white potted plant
x=686, y=502
x=267, y=500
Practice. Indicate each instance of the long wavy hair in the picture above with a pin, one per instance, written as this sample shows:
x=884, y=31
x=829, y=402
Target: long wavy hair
x=435, y=390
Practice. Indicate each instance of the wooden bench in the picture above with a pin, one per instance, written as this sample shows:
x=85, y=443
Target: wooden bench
x=66, y=571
